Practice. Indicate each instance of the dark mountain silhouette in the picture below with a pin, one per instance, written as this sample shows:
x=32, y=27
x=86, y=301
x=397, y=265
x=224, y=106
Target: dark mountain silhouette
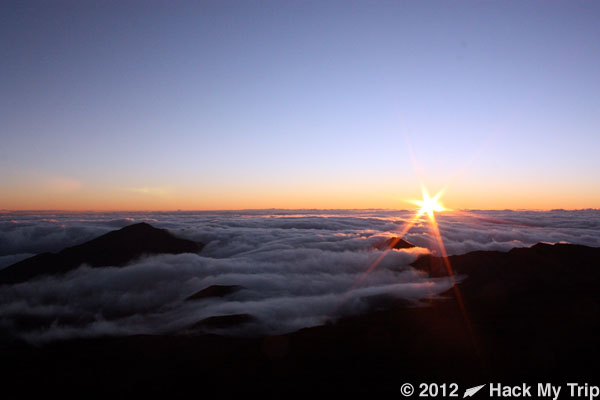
x=394, y=243
x=115, y=248
x=555, y=273
x=533, y=316
x=214, y=291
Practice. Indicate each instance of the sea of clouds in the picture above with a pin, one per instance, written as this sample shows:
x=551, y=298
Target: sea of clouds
x=297, y=268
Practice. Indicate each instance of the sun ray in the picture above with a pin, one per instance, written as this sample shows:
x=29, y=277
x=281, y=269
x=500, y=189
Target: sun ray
x=435, y=230
x=427, y=206
x=407, y=226
x=430, y=205
x=493, y=220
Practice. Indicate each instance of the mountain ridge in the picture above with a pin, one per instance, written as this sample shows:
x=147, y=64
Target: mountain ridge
x=532, y=316
x=115, y=248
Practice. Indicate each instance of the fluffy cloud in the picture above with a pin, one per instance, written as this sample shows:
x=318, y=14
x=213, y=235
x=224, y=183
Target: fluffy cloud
x=283, y=289
x=296, y=268
x=503, y=230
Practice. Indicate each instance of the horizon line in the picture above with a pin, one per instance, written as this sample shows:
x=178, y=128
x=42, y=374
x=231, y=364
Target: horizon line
x=4, y=210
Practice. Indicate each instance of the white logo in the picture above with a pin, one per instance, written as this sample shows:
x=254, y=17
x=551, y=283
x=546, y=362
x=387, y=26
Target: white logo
x=471, y=391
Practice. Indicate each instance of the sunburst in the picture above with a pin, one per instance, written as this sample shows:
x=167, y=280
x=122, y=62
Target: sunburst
x=429, y=204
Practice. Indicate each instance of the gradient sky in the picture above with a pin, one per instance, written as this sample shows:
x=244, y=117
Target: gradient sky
x=298, y=104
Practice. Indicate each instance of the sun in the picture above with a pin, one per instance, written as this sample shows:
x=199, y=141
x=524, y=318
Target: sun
x=429, y=204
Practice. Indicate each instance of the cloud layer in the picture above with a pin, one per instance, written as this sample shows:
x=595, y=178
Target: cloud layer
x=296, y=268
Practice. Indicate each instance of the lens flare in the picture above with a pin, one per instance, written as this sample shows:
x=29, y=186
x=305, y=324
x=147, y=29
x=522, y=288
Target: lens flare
x=429, y=204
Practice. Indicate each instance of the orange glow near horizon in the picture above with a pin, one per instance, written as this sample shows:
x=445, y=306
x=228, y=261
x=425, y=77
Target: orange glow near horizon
x=267, y=199
x=72, y=195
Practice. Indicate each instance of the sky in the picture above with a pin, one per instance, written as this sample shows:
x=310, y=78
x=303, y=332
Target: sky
x=131, y=105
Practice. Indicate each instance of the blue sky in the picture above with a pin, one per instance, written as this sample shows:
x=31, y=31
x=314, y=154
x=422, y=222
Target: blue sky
x=153, y=105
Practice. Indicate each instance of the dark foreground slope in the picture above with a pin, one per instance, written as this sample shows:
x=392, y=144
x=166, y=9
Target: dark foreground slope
x=533, y=313
x=115, y=248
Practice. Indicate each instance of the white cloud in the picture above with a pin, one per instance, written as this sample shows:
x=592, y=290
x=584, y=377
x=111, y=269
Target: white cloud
x=295, y=269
